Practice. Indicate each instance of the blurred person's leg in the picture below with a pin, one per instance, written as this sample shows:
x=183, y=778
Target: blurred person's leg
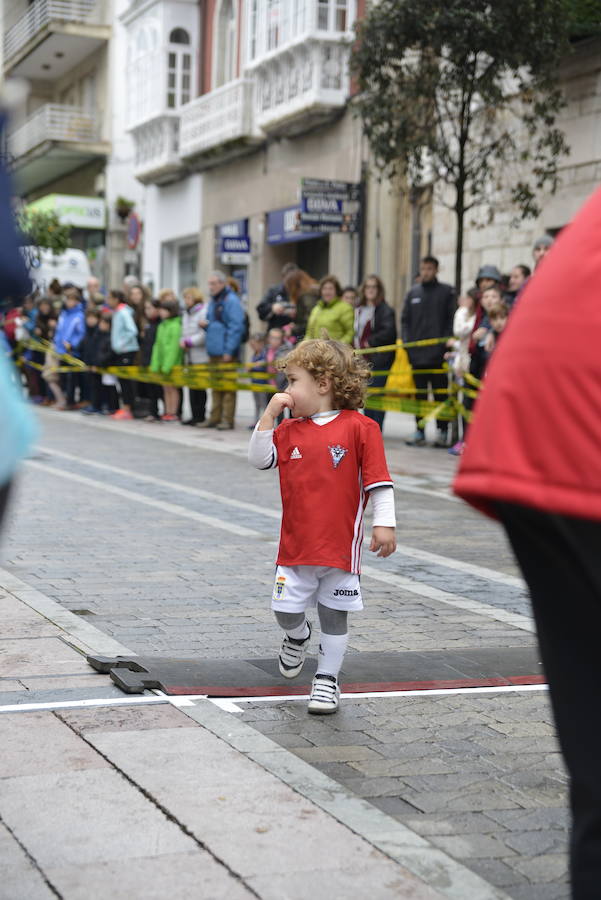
x=561, y=562
x=377, y=381
x=198, y=404
x=4, y=495
x=229, y=409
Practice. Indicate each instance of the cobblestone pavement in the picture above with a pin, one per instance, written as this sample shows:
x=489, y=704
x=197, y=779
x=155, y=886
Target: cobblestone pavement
x=165, y=540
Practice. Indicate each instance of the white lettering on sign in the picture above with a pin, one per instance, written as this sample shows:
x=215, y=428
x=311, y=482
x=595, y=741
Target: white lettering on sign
x=291, y=220
x=240, y=244
x=321, y=204
x=231, y=230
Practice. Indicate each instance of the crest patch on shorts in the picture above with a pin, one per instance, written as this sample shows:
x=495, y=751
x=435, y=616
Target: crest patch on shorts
x=278, y=590
x=337, y=453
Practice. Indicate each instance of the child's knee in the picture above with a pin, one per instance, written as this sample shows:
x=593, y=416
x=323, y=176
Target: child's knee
x=287, y=621
x=332, y=621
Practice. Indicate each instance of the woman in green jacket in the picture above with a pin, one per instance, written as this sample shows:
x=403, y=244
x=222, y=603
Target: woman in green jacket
x=331, y=313
x=167, y=353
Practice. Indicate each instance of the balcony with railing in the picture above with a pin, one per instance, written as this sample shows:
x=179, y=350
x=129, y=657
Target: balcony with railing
x=52, y=142
x=53, y=36
x=156, y=141
x=218, y=125
x=302, y=86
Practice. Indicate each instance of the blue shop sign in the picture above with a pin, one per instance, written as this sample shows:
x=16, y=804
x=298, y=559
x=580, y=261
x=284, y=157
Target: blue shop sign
x=284, y=226
x=235, y=244
x=238, y=228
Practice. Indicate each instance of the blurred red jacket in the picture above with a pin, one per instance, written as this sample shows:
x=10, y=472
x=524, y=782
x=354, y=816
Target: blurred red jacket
x=536, y=435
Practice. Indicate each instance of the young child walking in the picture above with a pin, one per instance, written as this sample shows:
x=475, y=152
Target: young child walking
x=331, y=459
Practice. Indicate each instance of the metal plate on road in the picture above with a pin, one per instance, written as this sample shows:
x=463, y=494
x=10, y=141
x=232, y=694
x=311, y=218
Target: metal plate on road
x=362, y=672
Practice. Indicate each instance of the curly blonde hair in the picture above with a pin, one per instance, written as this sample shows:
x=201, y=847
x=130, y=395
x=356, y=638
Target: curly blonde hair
x=323, y=358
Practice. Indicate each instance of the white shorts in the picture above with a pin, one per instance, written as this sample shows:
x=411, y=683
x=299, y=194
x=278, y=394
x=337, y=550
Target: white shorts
x=297, y=588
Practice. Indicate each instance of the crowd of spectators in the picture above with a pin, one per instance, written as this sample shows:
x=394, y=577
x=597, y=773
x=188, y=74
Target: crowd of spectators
x=129, y=327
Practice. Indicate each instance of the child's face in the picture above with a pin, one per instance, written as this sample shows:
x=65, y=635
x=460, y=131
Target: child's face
x=151, y=312
x=91, y=321
x=71, y=301
x=275, y=339
x=489, y=298
x=498, y=324
x=104, y=325
x=163, y=313
x=256, y=346
x=305, y=391
x=350, y=297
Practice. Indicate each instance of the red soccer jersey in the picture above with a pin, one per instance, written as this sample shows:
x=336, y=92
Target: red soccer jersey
x=325, y=474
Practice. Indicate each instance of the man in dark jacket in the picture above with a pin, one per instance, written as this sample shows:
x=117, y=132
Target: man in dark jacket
x=428, y=313
x=381, y=333
x=275, y=307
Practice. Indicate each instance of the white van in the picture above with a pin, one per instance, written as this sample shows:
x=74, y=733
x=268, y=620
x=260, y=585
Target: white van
x=71, y=266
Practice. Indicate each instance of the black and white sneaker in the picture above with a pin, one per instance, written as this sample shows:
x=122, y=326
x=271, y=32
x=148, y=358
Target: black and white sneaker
x=325, y=695
x=292, y=654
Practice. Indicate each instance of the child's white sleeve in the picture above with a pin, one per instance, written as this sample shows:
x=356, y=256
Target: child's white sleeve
x=382, y=501
x=262, y=452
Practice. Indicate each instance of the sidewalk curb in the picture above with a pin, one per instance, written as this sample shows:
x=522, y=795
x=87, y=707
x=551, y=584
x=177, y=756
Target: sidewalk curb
x=82, y=635
x=404, y=846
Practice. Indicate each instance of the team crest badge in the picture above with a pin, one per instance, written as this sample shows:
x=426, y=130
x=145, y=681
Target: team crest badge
x=337, y=453
x=280, y=584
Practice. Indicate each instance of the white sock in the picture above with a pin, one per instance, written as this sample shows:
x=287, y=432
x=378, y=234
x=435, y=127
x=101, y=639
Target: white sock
x=300, y=633
x=332, y=648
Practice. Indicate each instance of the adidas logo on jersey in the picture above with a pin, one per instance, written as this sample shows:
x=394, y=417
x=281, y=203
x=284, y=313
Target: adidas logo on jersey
x=296, y=454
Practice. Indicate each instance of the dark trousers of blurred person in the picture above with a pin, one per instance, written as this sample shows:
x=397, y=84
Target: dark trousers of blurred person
x=102, y=396
x=438, y=384
x=377, y=381
x=127, y=385
x=198, y=404
x=151, y=392
x=561, y=562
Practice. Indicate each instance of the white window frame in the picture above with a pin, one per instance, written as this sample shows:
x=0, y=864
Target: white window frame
x=231, y=41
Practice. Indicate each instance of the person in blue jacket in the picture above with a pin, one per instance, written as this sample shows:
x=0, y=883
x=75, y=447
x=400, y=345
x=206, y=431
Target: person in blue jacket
x=225, y=328
x=70, y=331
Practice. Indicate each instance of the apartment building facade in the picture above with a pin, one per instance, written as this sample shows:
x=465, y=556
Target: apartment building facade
x=232, y=104
x=67, y=140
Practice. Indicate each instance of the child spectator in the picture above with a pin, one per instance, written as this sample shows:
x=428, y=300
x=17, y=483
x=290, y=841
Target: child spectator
x=148, y=390
x=328, y=456
x=124, y=343
x=193, y=342
x=51, y=362
x=498, y=315
x=167, y=353
x=69, y=334
x=107, y=398
x=350, y=295
x=258, y=365
x=464, y=323
x=88, y=350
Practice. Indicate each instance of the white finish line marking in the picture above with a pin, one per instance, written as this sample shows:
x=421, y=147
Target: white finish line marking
x=230, y=704
x=516, y=620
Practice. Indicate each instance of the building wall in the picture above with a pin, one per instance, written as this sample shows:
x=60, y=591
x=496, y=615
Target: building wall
x=507, y=246
x=172, y=214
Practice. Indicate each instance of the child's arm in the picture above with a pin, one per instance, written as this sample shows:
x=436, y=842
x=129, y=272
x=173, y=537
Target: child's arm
x=383, y=531
x=262, y=452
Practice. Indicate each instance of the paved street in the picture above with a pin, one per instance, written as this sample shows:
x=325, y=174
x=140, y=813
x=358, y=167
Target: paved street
x=163, y=538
